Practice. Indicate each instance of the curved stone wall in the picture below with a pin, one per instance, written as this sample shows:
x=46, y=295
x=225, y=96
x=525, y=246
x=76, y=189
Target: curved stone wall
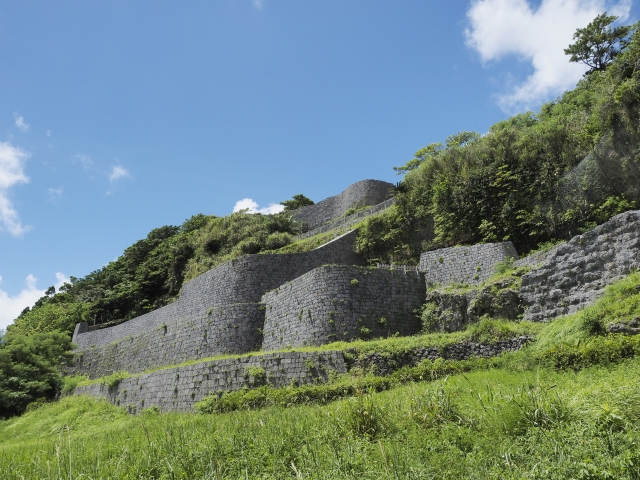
x=339, y=302
x=223, y=329
x=471, y=265
x=243, y=280
x=360, y=194
x=575, y=274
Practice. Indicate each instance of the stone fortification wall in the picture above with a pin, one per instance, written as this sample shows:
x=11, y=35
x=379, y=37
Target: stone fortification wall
x=226, y=329
x=536, y=259
x=339, y=302
x=471, y=265
x=360, y=194
x=179, y=388
x=577, y=272
x=243, y=280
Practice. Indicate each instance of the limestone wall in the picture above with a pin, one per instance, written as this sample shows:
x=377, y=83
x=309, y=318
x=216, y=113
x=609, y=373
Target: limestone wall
x=471, y=265
x=339, y=302
x=359, y=194
x=225, y=329
x=576, y=273
x=178, y=389
x=243, y=280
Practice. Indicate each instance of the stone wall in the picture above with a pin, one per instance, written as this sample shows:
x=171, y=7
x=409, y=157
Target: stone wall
x=387, y=364
x=226, y=329
x=339, y=302
x=243, y=280
x=360, y=194
x=471, y=265
x=179, y=388
x=576, y=273
x=536, y=259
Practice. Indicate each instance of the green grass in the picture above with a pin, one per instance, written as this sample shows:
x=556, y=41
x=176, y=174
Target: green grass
x=499, y=423
x=567, y=407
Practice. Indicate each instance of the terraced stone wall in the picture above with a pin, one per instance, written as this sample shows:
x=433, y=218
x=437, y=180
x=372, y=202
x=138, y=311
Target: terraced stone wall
x=359, y=194
x=179, y=388
x=243, y=280
x=338, y=302
x=575, y=274
x=225, y=329
x=471, y=265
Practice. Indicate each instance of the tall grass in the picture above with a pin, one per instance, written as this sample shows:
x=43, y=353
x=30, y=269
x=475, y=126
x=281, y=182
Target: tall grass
x=487, y=424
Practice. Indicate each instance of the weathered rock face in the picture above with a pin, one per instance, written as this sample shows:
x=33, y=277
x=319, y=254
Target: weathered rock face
x=576, y=273
x=453, y=311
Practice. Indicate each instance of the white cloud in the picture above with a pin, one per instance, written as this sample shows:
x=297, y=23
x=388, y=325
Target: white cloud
x=84, y=160
x=55, y=194
x=11, y=306
x=48, y=133
x=12, y=161
x=20, y=123
x=253, y=207
x=118, y=172
x=499, y=28
x=258, y=4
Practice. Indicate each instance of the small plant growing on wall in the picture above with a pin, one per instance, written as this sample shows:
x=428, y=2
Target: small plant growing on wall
x=354, y=282
x=440, y=259
x=382, y=321
x=364, y=331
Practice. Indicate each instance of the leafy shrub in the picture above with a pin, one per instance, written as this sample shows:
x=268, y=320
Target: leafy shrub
x=277, y=240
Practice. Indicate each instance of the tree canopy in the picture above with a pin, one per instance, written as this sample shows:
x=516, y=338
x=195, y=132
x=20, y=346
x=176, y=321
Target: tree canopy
x=296, y=202
x=598, y=43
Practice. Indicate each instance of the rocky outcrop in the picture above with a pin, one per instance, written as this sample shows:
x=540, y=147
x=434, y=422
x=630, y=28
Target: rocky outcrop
x=577, y=272
x=452, y=311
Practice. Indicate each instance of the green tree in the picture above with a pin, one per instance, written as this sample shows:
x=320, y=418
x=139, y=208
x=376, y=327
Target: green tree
x=420, y=157
x=598, y=43
x=296, y=202
x=29, y=369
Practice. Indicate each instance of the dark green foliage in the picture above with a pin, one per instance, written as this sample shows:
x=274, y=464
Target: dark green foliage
x=532, y=178
x=598, y=44
x=29, y=369
x=150, y=273
x=296, y=202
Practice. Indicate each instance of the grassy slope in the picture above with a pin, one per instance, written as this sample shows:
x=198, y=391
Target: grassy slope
x=487, y=424
x=524, y=419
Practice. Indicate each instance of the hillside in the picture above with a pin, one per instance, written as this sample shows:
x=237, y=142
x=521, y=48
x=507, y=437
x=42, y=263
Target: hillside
x=407, y=340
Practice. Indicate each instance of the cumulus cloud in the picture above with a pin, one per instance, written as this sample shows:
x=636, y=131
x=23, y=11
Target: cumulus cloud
x=55, y=194
x=12, y=160
x=11, y=306
x=118, y=172
x=500, y=28
x=253, y=207
x=258, y=4
x=20, y=123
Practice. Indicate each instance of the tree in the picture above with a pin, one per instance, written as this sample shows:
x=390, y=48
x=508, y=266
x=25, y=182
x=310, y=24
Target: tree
x=296, y=202
x=29, y=369
x=419, y=157
x=598, y=44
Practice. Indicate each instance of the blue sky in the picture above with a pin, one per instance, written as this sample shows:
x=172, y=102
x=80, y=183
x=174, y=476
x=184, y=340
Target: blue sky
x=119, y=117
